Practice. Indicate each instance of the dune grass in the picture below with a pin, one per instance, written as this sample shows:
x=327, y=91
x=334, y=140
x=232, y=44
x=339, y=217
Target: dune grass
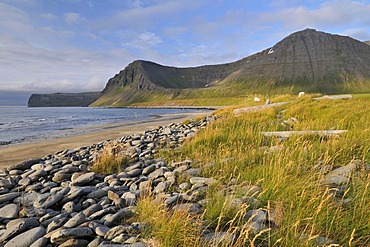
x=290, y=171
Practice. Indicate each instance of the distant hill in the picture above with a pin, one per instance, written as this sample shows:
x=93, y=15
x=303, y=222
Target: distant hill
x=307, y=60
x=62, y=99
x=367, y=42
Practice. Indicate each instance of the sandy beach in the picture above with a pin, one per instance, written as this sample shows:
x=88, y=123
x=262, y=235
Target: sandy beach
x=19, y=152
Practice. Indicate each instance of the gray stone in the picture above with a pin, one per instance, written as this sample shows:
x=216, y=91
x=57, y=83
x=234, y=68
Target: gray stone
x=27, y=238
x=147, y=170
x=9, y=196
x=18, y=226
x=134, y=173
x=24, y=165
x=41, y=242
x=92, y=209
x=115, y=231
x=55, y=224
x=84, y=178
x=9, y=211
x=158, y=173
x=188, y=207
x=172, y=199
x=49, y=201
x=76, y=220
x=130, y=198
x=127, y=212
x=63, y=235
x=161, y=187
x=75, y=243
x=61, y=176
x=342, y=174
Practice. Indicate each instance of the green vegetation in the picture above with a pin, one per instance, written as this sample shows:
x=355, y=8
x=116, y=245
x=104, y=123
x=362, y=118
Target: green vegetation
x=287, y=171
x=177, y=228
x=111, y=160
x=290, y=176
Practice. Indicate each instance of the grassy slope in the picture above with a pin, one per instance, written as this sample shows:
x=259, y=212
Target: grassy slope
x=222, y=94
x=288, y=177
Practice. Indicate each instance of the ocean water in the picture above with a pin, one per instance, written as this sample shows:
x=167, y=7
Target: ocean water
x=23, y=124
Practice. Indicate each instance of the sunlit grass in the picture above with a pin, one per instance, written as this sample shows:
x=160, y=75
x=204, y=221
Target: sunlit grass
x=288, y=172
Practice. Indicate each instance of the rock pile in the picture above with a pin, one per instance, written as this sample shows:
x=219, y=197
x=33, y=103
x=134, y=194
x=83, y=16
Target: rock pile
x=59, y=201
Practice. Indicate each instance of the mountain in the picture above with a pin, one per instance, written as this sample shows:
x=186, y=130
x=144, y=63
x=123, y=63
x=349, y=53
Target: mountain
x=307, y=60
x=367, y=42
x=63, y=99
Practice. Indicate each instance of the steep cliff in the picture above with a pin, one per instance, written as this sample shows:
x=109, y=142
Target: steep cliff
x=63, y=99
x=307, y=60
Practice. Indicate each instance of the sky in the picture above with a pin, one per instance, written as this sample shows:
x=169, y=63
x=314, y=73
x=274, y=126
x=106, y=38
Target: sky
x=49, y=46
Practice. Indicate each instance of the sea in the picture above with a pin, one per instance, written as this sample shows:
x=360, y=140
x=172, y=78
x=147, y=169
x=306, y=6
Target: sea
x=23, y=124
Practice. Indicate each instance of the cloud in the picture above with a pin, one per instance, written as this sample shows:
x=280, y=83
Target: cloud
x=72, y=17
x=144, y=17
x=144, y=41
x=49, y=16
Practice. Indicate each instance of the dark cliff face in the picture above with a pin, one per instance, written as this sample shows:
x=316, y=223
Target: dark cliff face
x=307, y=60
x=63, y=99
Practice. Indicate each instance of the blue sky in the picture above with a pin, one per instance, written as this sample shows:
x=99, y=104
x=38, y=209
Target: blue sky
x=77, y=45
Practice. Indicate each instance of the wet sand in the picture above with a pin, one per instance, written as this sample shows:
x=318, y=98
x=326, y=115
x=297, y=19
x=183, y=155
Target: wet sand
x=20, y=152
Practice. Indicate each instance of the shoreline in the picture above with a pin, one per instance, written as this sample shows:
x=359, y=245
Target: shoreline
x=16, y=153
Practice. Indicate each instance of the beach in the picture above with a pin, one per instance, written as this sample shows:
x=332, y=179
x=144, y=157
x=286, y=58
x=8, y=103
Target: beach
x=20, y=152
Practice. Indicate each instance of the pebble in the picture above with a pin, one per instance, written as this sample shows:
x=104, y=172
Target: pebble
x=66, y=204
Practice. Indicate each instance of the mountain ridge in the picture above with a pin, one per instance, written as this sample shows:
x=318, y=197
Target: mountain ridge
x=306, y=60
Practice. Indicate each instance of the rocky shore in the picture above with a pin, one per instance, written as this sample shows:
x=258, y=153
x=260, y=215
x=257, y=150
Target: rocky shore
x=58, y=200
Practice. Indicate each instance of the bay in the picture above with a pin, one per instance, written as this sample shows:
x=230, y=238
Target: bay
x=23, y=124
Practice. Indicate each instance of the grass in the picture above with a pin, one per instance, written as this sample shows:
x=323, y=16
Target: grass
x=111, y=160
x=169, y=228
x=289, y=173
x=289, y=177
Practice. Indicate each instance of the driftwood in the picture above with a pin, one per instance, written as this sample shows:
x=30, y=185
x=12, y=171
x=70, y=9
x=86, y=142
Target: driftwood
x=335, y=97
x=286, y=134
x=257, y=108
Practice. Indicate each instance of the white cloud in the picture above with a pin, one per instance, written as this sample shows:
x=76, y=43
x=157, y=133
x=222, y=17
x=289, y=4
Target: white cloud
x=144, y=41
x=72, y=18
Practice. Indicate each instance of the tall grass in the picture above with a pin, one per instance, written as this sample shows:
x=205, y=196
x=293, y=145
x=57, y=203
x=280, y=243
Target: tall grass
x=290, y=171
x=110, y=160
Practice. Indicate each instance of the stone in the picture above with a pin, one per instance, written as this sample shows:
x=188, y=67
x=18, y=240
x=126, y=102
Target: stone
x=9, y=196
x=63, y=235
x=115, y=231
x=75, y=243
x=24, y=165
x=130, y=198
x=188, y=207
x=27, y=238
x=61, y=176
x=9, y=211
x=92, y=209
x=112, y=196
x=172, y=199
x=76, y=220
x=41, y=242
x=55, y=224
x=84, y=178
x=185, y=186
x=127, y=212
x=134, y=173
x=149, y=169
x=17, y=226
x=49, y=200
x=341, y=175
